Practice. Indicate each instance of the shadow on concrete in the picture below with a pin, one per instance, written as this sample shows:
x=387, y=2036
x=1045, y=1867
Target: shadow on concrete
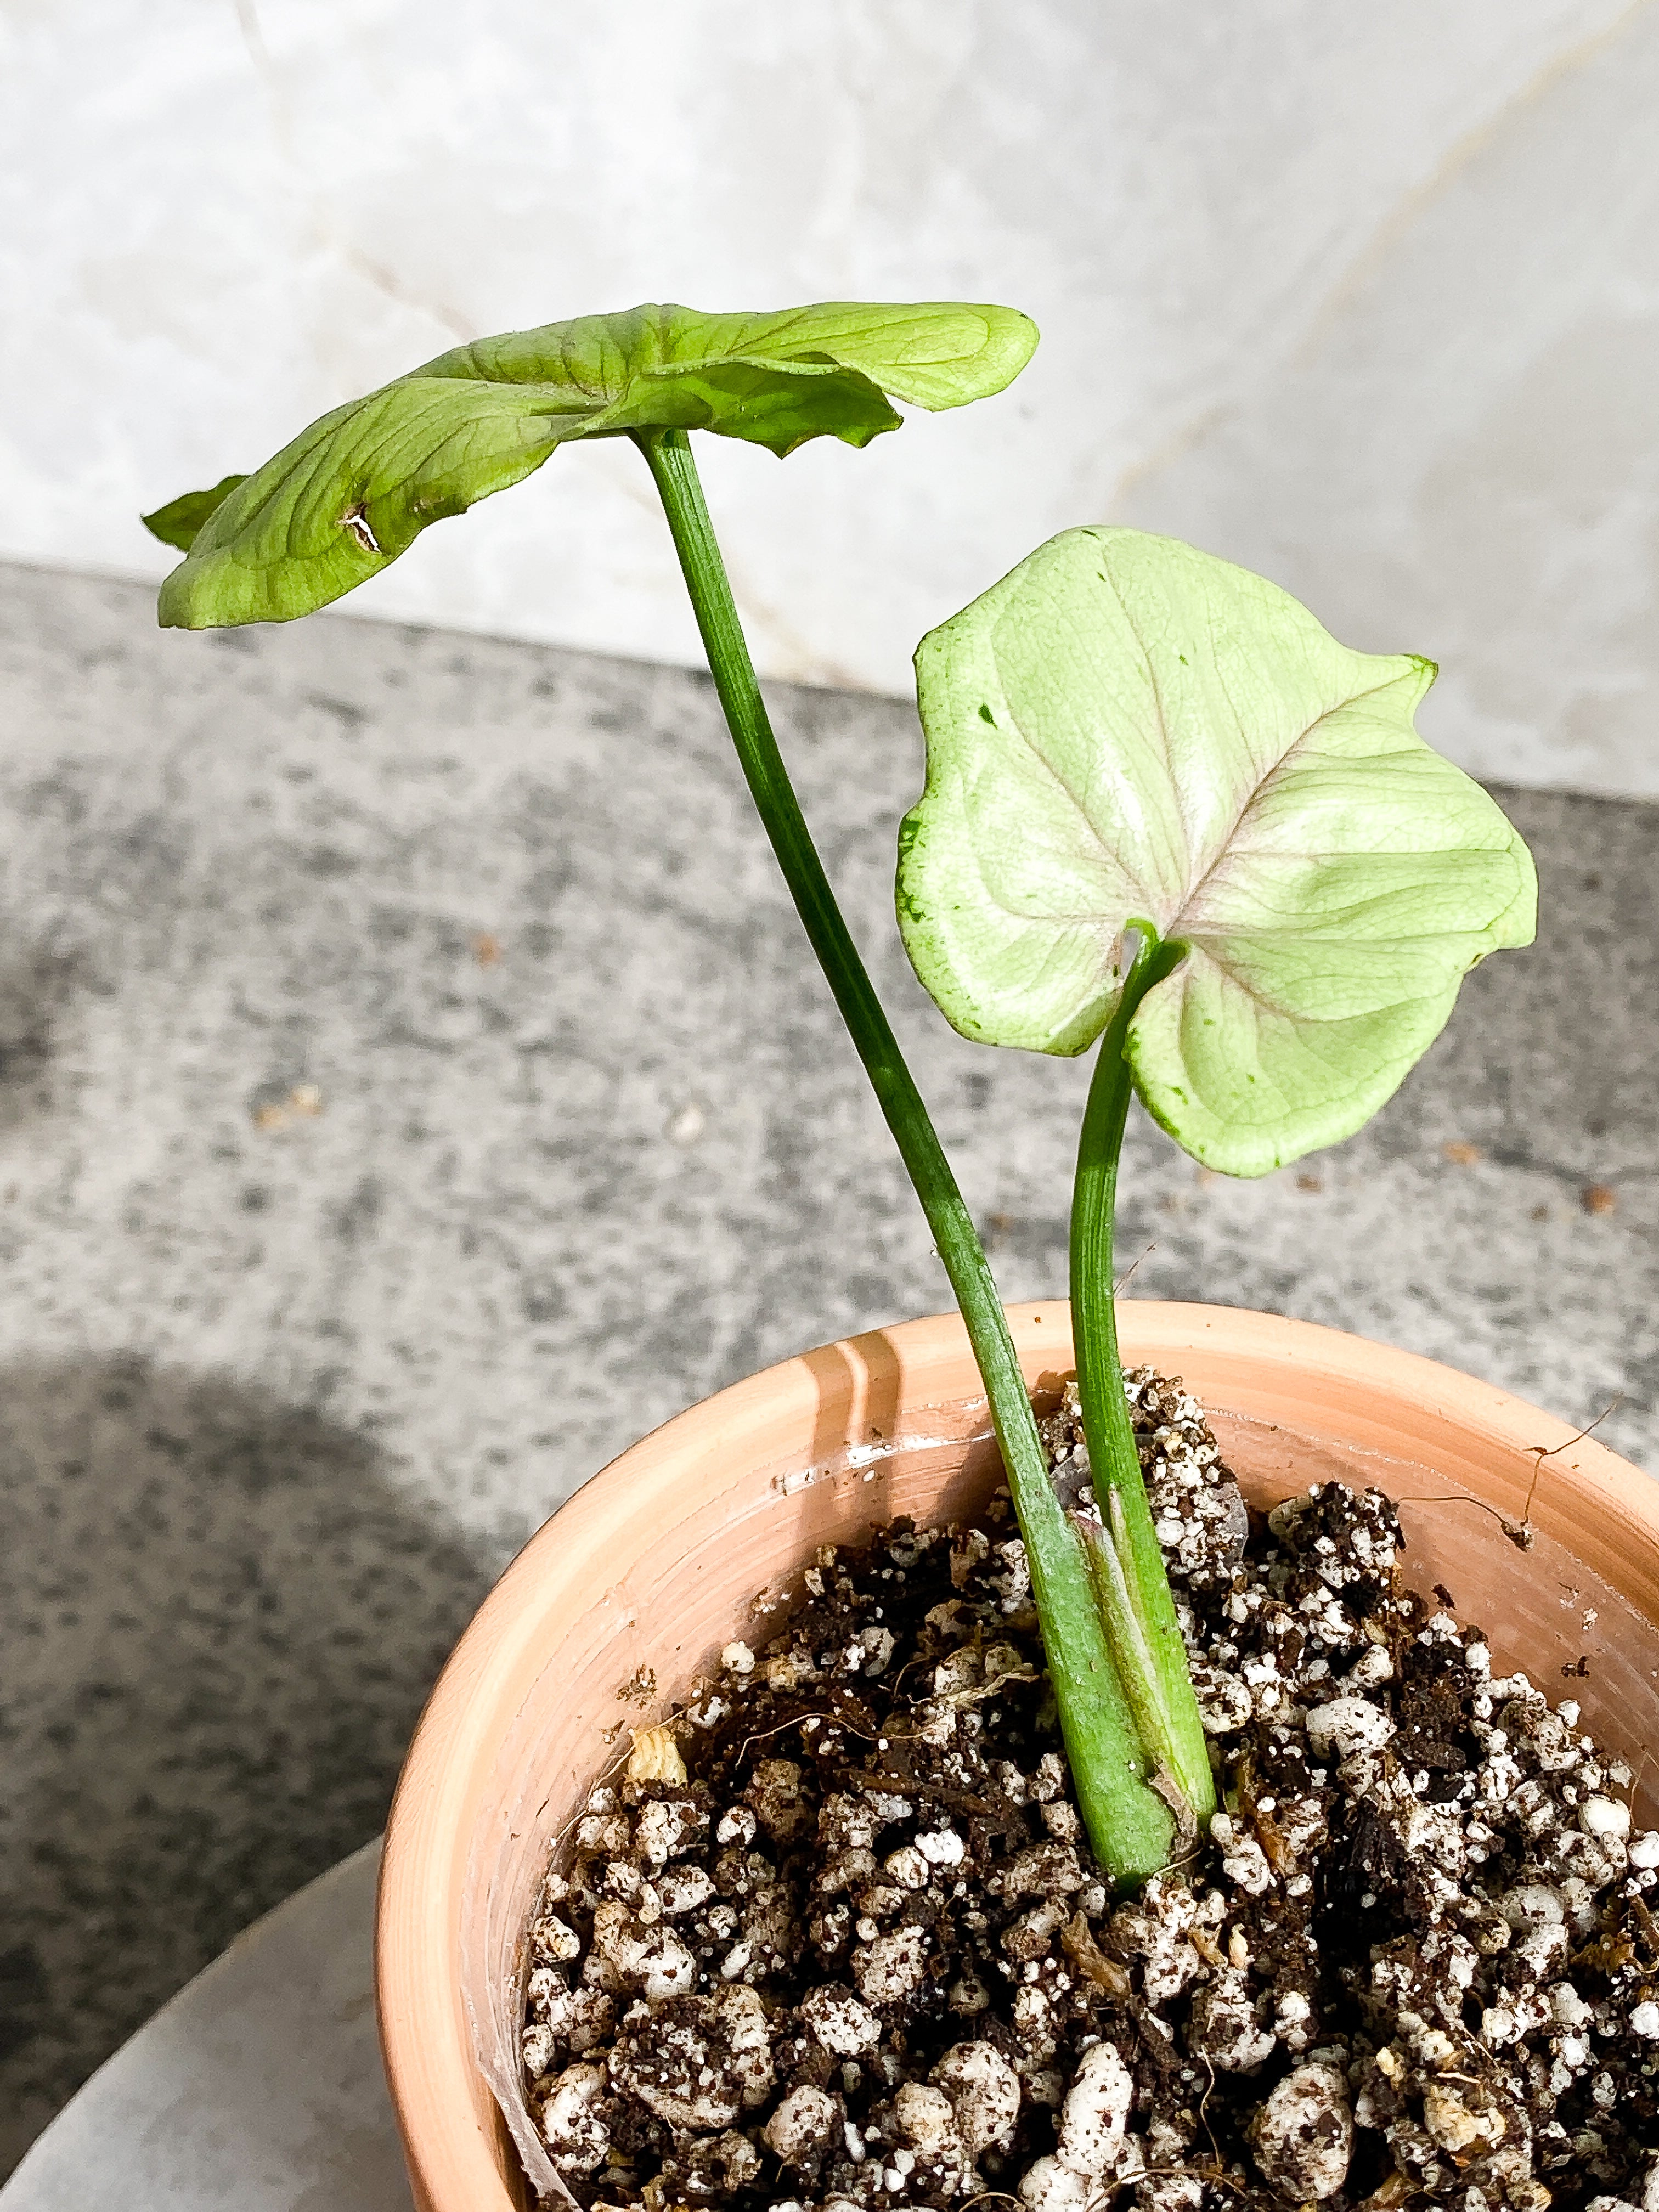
x=218, y=1621
x=37, y=987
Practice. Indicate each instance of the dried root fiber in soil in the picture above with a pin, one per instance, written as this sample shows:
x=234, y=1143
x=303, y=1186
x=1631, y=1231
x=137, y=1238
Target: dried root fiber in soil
x=854, y=1951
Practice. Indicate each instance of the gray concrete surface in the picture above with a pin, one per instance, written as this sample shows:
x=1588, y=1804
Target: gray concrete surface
x=283, y=1390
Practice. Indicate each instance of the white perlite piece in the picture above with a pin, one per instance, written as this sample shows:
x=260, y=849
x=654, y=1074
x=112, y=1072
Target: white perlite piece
x=891, y=1968
x=803, y=2124
x=1051, y=2187
x=1348, y=1725
x=1374, y=1667
x=576, y=2137
x=1605, y=1817
x=664, y=1828
x=654, y=1958
x=671, y=2065
x=749, y=2040
x=1242, y=1859
x=1531, y=1906
x=906, y=1867
x=984, y=2092
x=942, y=1848
x=1223, y=2029
x=1303, y=2137
x=1096, y=2113
x=682, y=1889
x=1225, y=1704
x=840, y=2022
x=926, y=2119
x=556, y=1939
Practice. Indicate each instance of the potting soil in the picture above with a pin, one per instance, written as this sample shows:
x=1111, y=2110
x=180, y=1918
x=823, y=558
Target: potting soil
x=861, y=1956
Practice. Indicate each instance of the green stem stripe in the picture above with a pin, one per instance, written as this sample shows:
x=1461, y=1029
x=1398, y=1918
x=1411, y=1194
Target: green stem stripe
x=1127, y=1824
x=1107, y=1431
x=1126, y=1634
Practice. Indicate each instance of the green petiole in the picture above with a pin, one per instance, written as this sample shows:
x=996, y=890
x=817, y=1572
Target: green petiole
x=1128, y=1825
x=1147, y=1638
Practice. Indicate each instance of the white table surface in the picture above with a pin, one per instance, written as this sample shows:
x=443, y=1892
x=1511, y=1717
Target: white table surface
x=258, y=2087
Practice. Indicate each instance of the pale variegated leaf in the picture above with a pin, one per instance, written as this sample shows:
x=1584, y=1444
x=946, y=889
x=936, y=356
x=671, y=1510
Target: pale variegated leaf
x=1124, y=730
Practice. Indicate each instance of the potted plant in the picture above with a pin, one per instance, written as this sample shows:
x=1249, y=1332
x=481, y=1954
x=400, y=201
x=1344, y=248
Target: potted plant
x=1164, y=810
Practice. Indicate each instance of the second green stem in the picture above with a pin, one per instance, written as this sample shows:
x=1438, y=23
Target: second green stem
x=1176, y=1731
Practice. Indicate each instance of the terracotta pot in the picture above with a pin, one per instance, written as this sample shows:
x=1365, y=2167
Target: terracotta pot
x=655, y=1564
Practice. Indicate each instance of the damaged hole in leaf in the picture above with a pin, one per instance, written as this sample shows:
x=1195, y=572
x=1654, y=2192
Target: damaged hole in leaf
x=356, y=522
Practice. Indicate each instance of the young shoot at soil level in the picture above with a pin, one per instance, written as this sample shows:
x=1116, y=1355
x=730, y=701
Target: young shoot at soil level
x=1162, y=809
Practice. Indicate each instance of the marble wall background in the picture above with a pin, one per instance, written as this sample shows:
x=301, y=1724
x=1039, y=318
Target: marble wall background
x=1364, y=297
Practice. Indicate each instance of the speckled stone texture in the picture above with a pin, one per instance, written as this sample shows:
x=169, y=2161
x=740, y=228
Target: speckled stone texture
x=283, y=1389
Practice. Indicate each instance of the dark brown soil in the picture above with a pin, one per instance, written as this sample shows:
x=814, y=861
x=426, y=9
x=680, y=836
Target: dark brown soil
x=861, y=1956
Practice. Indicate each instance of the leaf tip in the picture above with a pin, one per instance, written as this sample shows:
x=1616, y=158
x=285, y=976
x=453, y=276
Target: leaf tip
x=1427, y=671
x=173, y=602
x=180, y=521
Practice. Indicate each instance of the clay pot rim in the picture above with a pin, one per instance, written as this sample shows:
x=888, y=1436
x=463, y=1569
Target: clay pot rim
x=1579, y=1480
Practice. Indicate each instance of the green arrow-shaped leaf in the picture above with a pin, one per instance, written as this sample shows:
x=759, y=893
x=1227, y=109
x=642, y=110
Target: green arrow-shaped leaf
x=355, y=490
x=1125, y=729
